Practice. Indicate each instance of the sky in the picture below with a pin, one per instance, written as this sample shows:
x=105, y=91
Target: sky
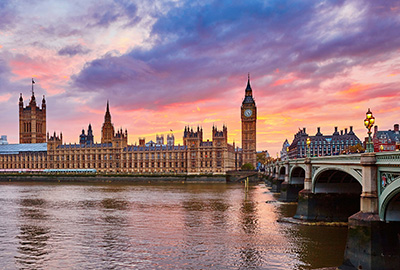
x=164, y=65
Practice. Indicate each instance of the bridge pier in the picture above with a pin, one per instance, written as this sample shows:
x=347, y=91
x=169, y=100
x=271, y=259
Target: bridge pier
x=290, y=192
x=276, y=185
x=371, y=243
x=374, y=216
x=268, y=180
x=329, y=207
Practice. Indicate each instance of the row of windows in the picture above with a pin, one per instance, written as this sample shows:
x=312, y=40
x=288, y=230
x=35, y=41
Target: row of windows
x=117, y=156
x=325, y=148
x=23, y=166
x=315, y=151
x=98, y=157
x=118, y=165
x=5, y=158
x=347, y=142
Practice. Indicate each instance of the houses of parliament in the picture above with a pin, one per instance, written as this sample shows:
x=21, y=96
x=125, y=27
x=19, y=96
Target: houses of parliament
x=40, y=151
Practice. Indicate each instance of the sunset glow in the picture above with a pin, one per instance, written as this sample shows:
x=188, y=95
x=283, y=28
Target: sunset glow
x=169, y=64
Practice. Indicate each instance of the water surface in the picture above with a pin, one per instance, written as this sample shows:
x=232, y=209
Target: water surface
x=157, y=226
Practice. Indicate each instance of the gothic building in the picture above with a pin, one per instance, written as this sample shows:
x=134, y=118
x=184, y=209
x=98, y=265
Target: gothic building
x=115, y=155
x=32, y=120
x=107, y=131
x=249, y=121
x=87, y=139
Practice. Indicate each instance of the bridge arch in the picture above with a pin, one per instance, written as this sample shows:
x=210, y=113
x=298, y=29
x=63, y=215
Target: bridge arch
x=336, y=180
x=297, y=175
x=389, y=208
x=282, y=171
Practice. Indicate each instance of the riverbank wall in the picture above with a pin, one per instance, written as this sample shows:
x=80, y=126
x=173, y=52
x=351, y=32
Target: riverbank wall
x=109, y=178
x=229, y=177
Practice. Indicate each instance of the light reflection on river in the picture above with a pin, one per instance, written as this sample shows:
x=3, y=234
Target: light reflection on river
x=157, y=226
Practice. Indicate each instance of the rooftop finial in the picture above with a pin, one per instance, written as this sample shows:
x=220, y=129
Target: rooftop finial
x=33, y=82
x=248, y=87
x=108, y=109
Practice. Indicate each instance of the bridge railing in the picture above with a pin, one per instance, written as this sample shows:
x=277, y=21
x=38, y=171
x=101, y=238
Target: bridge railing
x=388, y=158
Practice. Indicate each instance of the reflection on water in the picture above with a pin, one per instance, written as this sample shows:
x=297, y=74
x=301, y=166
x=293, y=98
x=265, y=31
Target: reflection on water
x=157, y=226
x=33, y=236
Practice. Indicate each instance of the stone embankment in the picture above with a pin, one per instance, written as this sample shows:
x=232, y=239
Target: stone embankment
x=112, y=178
x=229, y=177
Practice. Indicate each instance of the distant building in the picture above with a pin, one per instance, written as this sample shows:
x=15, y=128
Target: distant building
x=32, y=120
x=87, y=139
x=3, y=139
x=115, y=155
x=160, y=139
x=284, y=151
x=386, y=140
x=170, y=140
x=262, y=157
x=322, y=145
x=38, y=152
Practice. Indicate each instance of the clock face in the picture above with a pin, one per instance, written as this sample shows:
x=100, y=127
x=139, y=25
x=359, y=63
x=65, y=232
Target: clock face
x=248, y=113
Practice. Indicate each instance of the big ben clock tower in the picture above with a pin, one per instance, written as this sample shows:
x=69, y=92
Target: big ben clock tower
x=249, y=120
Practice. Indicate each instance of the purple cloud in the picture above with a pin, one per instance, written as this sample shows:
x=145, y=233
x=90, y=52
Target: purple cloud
x=73, y=50
x=102, y=15
x=196, y=46
x=8, y=14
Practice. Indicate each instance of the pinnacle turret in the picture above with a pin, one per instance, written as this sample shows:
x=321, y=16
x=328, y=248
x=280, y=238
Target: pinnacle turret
x=248, y=87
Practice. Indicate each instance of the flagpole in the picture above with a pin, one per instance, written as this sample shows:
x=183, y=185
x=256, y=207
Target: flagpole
x=33, y=82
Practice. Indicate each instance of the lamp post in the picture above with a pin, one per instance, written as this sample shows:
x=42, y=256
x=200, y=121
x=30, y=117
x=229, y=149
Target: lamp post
x=287, y=152
x=308, y=142
x=369, y=123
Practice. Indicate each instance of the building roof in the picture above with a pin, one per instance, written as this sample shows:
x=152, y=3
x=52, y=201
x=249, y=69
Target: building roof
x=390, y=136
x=90, y=145
x=23, y=147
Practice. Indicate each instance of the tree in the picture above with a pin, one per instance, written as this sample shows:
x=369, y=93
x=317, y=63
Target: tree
x=354, y=149
x=247, y=167
x=261, y=157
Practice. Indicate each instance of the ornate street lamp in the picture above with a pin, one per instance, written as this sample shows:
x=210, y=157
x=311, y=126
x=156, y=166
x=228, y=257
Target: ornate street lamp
x=287, y=152
x=308, y=142
x=369, y=123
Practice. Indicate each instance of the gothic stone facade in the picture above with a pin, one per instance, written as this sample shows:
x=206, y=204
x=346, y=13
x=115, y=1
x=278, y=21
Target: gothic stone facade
x=32, y=121
x=114, y=154
x=249, y=121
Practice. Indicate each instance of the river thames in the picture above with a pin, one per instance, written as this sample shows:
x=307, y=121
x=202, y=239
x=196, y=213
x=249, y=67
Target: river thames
x=157, y=226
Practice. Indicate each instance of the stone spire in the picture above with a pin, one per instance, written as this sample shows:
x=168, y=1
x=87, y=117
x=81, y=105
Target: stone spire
x=107, y=116
x=248, y=87
x=248, y=97
x=107, y=131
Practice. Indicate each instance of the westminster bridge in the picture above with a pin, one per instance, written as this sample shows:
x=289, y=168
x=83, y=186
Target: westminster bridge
x=363, y=189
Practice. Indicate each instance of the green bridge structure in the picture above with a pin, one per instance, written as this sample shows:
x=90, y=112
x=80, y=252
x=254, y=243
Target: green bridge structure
x=363, y=189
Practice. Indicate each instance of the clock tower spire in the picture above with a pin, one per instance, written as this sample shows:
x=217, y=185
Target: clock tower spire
x=249, y=120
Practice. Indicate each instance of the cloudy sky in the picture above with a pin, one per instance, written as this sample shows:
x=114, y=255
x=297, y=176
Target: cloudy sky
x=167, y=64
